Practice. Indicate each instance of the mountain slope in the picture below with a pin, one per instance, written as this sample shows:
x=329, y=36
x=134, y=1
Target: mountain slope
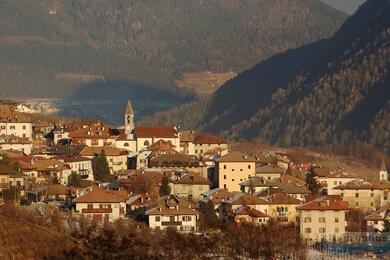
x=54, y=48
x=348, y=6
x=334, y=91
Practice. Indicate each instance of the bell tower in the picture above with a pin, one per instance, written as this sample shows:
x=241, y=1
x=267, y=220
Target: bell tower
x=129, y=119
x=383, y=172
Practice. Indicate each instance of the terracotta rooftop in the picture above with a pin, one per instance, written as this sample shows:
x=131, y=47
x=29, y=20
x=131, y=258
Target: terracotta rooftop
x=99, y=195
x=247, y=211
x=72, y=158
x=57, y=189
x=194, y=179
x=208, y=139
x=171, y=205
x=281, y=198
x=6, y=170
x=187, y=136
x=378, y=214
x=360, y=184
x=95, y=132
x=217, y=195
x=174, y=158
x=288, y=179
x=324, y=203
x=268, y=170
x=236, y=157
x=156, y=132
x=246, y=199
x=110, y=151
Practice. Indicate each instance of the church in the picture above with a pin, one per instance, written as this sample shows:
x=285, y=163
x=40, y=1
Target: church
x=136, y=139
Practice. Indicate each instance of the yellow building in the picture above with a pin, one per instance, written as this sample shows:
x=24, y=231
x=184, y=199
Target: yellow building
x=4, y=176
x=282, y=207
x=232, y=169
x=363, y=194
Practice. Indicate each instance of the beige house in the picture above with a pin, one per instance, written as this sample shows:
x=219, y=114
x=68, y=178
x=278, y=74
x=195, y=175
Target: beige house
x=268, y=172
x=282, y=207
x=375, y=219
x=117, y=158
x=102, y=205
x=173, y=212
x=48, y=168
x=362, y=194
x=190, y=186
x=246, y=214
x=322, y=218
x=15, y=143
x=187, y=145
x=232, y=169
x=78, y=164
x=203, y=144
x=231, y=205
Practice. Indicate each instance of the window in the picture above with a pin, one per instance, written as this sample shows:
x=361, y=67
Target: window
x=249, y=166
x=12, y=127
x=24, y=127
x=2, y=127
x=146, y=143
x=224, y=186
x=157, y=218
x=322, y=230
x=372, y=204
x=232, y=170
x=321, y=220
x=128, y=119
x=24, y=135
x=187, y=218
x=357, y=195
x=335, y=183
x=232, y=179
x=240, y=170
x=90, y=206
x=224, y=177
x=372, y=194
x=201, y=151
x=336, y=230
x=357, y=204
x=336, y=220
x=126, y=145
x=224, y=166
x=342, y=194
x=307, y=230
x=307, y=220
x=196, y=151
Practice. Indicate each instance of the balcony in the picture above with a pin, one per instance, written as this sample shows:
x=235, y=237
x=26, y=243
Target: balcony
x=171, y=223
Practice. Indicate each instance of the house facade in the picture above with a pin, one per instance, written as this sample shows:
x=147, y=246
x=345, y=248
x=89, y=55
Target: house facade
x=323, y=218
x=173, y=214
x=233, y=169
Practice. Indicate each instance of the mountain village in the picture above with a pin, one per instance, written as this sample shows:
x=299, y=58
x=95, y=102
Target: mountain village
x=170, y=178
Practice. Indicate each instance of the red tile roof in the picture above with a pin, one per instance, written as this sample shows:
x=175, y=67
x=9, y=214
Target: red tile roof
x=99, y=195
x=246, y=211
x=208, y=139
x=324, y=204
x=155, y=131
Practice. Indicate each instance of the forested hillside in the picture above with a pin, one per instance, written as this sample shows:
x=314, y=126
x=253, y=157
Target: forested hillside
x=335, y=91
x=348, y=6
x=52, y=48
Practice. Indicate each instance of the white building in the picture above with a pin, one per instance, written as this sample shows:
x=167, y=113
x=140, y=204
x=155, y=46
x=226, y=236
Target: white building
x=79, y=164
x=322, y=218
x=15, y=143
x=173, y=213
x=16, y=126
x=101, y=205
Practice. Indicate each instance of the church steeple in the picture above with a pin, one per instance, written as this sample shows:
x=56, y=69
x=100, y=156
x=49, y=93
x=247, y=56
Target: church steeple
x=383, y=171
x=129, y=118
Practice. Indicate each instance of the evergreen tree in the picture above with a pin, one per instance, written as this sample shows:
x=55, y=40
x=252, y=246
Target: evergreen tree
x=100, y=166
x=210, y=216
x=311, y=183
x=165, y=189
x=55, y=179
x=74, y=180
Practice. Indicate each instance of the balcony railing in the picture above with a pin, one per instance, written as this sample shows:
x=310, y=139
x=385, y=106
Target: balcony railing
x=171, y=223
x=99, y=210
